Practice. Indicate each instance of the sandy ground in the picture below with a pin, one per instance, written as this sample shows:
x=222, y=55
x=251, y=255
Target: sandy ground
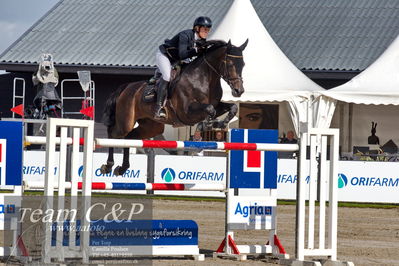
x=365, y=236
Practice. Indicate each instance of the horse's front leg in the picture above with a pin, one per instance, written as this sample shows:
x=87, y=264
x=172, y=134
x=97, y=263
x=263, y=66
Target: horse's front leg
x=222, y=108
x=201, y=107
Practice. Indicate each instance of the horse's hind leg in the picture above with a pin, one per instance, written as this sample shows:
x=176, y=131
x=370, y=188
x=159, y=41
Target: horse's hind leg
x=120, y=170
x=107, y=168
x=146, y=129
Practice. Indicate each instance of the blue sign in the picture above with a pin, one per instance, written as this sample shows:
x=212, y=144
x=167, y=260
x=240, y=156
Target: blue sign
x=253, y=169
x=11, y=137
x=135, y=233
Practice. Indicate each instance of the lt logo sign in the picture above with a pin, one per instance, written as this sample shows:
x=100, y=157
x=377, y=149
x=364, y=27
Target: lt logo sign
x=11, y=139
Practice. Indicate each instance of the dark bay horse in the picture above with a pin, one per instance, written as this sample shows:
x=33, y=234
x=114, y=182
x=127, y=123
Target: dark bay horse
x=196, y=97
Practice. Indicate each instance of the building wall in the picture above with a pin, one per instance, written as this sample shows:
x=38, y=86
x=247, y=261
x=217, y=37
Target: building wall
x=104, y=85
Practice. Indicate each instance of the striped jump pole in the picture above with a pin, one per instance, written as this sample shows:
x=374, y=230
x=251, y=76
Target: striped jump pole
x=29, y=140
x=164, y=144
x=204, y=145
x=135, y=186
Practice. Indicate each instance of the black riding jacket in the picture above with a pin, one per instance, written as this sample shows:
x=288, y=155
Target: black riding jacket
x=180, y=47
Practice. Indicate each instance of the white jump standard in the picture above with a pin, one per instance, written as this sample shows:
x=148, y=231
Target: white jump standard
x=264, y=207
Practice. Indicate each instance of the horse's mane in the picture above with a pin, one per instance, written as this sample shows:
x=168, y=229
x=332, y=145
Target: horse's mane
x=209, y=46
x=212, y=45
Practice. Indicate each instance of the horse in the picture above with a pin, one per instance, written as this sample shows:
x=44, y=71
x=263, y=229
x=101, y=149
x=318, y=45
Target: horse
x=196, y=96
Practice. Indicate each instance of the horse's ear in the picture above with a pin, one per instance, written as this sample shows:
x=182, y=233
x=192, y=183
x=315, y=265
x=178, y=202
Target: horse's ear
x=229, y=43
x=242, y=47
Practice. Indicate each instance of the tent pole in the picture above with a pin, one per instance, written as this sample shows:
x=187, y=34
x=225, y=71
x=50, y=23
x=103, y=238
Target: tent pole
x=341, y=108
x=350, y=124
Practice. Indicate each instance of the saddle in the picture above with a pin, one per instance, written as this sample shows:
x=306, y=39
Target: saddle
x=150, y=93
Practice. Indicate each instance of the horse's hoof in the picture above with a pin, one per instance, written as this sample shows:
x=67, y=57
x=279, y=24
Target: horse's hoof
x=104, y=169
x=116, y=170
x=119, y=171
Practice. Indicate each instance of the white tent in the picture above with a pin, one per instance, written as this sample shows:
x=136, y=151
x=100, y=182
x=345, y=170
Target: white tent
x=376, y=85
x=268, y=74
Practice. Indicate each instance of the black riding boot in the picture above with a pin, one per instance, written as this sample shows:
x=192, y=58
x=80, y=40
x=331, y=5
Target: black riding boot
x=162, y=90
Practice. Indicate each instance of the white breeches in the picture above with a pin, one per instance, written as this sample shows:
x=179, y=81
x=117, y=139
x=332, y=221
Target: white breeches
x=164, y=65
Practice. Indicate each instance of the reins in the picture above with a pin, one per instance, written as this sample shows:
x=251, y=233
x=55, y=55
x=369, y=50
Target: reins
x=225, y=77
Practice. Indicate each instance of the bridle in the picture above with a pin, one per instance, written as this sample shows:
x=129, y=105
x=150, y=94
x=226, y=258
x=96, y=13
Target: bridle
x=225, y=75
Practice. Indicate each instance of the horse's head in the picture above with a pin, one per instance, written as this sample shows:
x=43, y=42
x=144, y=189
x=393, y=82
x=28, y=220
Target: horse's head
x=226, y=61
x=234, y=63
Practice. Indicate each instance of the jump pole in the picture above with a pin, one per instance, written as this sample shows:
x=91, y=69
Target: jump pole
x=133, y=186
x=163, y=144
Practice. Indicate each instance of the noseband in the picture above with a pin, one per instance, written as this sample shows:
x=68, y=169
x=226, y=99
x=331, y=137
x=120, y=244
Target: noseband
x=225, y=75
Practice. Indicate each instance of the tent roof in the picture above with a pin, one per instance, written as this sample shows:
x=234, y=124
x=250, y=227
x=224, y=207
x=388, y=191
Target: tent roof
x=335, y=37
x=377, y=84
x=268, y=74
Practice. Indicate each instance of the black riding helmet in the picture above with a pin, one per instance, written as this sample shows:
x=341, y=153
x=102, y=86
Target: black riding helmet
x=203, y=22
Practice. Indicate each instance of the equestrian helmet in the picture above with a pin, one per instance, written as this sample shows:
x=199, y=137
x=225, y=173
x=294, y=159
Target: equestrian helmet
x=203, y=22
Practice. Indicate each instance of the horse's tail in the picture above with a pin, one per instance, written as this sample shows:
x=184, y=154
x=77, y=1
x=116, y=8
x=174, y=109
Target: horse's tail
x=109, y=109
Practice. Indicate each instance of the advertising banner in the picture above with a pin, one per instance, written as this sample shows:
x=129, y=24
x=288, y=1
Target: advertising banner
x=34, y=169
x=190, y=170
x=368, y=181
x=358, y=181
x=251, y=212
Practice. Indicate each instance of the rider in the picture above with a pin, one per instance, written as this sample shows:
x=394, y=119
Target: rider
x=181, y=47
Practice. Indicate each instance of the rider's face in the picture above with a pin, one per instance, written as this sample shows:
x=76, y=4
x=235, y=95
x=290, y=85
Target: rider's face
x=203, y=32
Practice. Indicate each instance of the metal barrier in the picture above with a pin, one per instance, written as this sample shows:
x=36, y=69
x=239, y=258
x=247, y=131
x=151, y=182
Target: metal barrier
x=88, y=97
x=14, y=94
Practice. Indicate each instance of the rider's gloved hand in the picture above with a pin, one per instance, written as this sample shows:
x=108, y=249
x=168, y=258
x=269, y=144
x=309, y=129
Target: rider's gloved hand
x=200, y=46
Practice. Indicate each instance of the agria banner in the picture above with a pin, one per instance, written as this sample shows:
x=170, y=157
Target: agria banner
x=10, y=153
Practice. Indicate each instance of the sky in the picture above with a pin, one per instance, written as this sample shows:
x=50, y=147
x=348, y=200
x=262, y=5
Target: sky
x=17, y=16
